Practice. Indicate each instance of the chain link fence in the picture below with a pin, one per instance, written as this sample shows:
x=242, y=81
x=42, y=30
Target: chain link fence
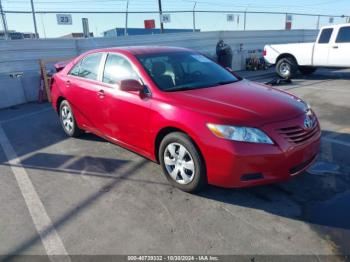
x=44, y=24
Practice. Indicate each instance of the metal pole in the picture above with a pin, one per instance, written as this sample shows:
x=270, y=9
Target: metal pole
x=43, y=25
x=4, y=23
x=285, y=22
x=34, y=19
x=245, y=19
x=160, y=16
x=126, y=18
x=318, y=23
x=194, y=16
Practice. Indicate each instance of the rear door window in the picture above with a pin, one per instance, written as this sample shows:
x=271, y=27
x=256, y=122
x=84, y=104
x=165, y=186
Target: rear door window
x=89, y=66
x=343, y=35
x=75, y=70
x=325, y=36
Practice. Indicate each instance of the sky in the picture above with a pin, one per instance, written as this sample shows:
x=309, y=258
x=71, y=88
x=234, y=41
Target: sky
x=48, y=27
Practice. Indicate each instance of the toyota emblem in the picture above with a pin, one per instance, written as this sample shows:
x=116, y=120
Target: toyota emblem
x=308, y=122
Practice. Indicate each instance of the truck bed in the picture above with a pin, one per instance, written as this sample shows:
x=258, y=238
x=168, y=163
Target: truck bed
x=301, y=51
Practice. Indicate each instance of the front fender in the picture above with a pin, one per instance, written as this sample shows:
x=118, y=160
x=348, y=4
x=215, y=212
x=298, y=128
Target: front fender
x=188, y=121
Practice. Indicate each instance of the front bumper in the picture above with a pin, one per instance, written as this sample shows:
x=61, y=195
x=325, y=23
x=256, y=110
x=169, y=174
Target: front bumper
x=238, y=164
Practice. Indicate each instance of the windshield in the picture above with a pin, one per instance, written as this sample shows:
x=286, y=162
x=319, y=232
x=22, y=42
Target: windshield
x=176, y=71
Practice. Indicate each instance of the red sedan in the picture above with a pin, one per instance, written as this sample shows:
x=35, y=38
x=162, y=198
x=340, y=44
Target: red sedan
x=200, y=121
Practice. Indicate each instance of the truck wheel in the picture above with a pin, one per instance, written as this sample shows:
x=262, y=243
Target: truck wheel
x=307, y=70
x=286, y=67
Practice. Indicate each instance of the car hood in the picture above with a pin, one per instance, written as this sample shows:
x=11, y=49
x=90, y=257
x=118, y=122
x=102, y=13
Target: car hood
x=242, y=102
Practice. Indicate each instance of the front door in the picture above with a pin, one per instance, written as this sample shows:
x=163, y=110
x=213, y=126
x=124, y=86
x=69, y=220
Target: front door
x=321, y=47
x=339, y=54
x=125, y=114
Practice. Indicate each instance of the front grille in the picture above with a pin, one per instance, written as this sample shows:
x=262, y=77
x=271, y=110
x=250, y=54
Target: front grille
x=298, y=135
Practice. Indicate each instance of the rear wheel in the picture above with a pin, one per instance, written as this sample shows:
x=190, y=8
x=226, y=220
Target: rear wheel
x=182, y=163
x=286, y=67
x=307, y=70
x=67, y=120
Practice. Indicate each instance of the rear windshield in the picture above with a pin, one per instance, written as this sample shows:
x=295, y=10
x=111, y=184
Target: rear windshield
x=176, y=71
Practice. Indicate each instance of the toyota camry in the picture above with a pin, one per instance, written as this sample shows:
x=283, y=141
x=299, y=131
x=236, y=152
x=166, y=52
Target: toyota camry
x=201, y=122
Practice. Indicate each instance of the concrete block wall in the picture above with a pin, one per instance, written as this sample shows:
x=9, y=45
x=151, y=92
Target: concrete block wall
x=23, y=55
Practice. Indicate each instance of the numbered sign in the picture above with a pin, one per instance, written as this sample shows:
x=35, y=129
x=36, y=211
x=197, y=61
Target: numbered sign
x=64, y=19
x=165, y=18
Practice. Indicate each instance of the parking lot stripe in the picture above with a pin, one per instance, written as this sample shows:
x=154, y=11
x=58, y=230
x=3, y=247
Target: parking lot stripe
x=43, y=224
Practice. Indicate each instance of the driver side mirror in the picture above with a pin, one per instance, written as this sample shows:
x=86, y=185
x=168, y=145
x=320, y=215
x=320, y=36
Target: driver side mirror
x=130, y=85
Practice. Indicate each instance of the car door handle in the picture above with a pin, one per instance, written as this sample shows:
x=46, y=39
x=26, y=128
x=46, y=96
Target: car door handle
x=335, y=47
x=101, y=93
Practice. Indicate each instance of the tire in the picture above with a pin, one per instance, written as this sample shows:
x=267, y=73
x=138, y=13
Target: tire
x=307, y=70
x=286, y=68
x=67, y=120
x=182, y=162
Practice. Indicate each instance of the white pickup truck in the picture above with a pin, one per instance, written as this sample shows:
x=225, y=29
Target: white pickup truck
x=331, y=49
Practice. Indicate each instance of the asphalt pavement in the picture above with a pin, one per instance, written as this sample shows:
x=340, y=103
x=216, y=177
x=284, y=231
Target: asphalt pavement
x=66, y=196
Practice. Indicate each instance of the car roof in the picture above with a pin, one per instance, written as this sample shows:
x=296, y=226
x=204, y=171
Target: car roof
x=335, y=26
x=143, y=50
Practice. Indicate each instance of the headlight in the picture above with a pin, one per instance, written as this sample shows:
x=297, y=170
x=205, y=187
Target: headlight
x=243, y=134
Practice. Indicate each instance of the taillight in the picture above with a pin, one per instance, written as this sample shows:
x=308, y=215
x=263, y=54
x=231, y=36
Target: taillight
x=264, y=52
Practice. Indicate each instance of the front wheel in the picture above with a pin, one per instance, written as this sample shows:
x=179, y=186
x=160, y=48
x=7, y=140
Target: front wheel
x=182, y=163
x=307, y=70
x=286, y=68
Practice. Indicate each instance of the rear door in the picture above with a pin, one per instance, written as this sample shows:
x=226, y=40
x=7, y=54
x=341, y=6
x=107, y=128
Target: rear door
x=84, y=90
x=339, y=54
x=322, y=47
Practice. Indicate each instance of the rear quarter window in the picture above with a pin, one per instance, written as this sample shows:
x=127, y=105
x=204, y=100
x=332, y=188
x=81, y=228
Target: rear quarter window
x=89, y=66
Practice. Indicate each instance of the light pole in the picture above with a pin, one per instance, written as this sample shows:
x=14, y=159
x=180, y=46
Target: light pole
x=4, y=23
x=34, y=19
x=194, y=16
x=160, y=16
x=126, y=18
x=245, y=17
x=43, y=25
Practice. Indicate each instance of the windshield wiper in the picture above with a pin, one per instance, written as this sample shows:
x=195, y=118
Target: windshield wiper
x=183, y=88
x=220, y=83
